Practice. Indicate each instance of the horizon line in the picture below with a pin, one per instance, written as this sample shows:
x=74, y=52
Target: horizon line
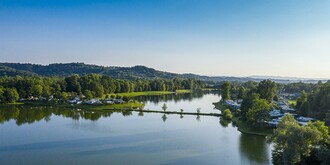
x=254, y=76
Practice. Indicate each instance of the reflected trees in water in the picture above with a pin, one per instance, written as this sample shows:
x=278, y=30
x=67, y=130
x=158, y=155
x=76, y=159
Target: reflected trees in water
x=171, y=97
x=255, y=148
x=28, y=115
x=164, y=118
x=198, y=118
x=223, y=122
x=141, y=113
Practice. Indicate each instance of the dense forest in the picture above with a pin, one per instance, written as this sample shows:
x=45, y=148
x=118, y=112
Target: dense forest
x=91, y=85
x=316, y=102
x=67, y=69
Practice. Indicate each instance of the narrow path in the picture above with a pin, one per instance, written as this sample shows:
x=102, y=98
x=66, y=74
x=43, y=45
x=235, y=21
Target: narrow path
x=171, y=112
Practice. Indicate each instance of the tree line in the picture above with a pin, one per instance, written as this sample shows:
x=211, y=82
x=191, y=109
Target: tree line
x=91, y=85
x=315, y=103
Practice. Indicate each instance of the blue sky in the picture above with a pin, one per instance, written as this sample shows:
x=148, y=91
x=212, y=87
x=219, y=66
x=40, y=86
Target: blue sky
x=208, y=37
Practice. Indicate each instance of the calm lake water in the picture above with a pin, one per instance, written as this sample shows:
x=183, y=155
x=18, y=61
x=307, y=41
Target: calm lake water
x=42, y=135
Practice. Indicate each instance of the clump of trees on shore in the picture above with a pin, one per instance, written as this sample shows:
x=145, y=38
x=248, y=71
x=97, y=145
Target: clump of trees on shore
x=293, y=143
x=92, y=85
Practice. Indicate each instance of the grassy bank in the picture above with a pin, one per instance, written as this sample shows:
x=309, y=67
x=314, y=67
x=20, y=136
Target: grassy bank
x=183, y=91
x=220, y=106
x=244, y=128
x=149, y=93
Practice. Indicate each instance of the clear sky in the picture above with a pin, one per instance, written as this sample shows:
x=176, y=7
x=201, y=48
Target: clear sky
x=208, y=37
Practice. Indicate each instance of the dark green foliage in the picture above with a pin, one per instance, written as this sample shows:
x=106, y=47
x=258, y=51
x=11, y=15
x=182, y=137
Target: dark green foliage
x=254, y=101
x=300, y=86
x=10, y=95
x=91, y=85
x=2, y=90
x=247, y=103
x=227, y=114
x=316, y=103
x=301, y=99
x=293, y=142
x=267, y=89
x=88, y=94
x=225, y=91
x=259, y=112
x=72, y=84
x=67, y=69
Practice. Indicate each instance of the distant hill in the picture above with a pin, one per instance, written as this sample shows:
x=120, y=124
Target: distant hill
x=66, y=69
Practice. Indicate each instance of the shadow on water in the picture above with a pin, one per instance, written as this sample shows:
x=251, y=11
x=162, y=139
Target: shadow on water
x=255, y=148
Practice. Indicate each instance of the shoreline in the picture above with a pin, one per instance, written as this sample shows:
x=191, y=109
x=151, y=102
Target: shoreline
x=244, y=128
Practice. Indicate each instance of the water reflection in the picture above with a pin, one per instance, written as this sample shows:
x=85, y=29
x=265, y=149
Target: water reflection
x=127, y=136
x=255, y=148
x=223, y=122
x=164, y=117
x=141, y=113
x=28, y=115
x=174, y=97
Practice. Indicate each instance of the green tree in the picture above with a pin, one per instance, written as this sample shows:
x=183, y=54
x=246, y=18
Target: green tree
x=292, y=141
x=304, y=109
x=73, y=84
x=36, y=90
x=259, y=112
x=10, y=95
x=227, y=114
x=247, y=103
x=64, y=96
x=2, y=90
x=88, y=94
x=267, y=89
x=301, y=99
x=97, y=88
x=241, y=92
x=225, y=88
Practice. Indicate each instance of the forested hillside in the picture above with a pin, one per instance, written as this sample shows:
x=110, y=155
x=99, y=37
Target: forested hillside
x=13, y=69
x=67, y=69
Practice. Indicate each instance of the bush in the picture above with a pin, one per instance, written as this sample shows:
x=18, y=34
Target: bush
x=227, y=114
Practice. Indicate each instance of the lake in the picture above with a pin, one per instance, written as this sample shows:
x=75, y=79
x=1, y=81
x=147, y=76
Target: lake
x=45, y=135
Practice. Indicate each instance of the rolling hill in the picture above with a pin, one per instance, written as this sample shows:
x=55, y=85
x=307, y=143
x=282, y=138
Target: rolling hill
x=143, y=72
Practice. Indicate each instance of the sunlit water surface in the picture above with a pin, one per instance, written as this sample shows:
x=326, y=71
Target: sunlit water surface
x=62, y=136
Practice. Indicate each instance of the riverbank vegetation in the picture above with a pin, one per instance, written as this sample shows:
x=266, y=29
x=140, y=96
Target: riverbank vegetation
x=91, y=85
x=242, y=126
x=294, y=142
x=256, y=104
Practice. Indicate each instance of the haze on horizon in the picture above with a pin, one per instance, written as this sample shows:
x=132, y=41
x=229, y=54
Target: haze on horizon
x=215, y=38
